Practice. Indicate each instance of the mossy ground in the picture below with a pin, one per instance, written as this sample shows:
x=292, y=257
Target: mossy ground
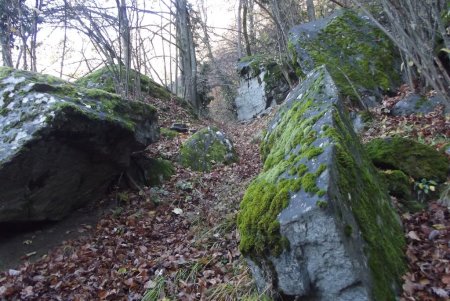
x=359, y=56
x=204, y=149
x=416, y=160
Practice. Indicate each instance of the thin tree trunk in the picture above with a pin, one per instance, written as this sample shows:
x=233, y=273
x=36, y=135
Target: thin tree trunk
x=64, y=41
x=239, y=29
x=188, y=61
x=248, y=50
x=311, y=10
x=5, y=40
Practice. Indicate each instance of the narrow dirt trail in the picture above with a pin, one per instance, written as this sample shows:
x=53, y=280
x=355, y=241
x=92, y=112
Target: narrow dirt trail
x=176, y=241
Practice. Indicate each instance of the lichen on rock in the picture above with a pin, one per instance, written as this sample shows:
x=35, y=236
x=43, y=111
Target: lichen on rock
x=205, y=148
x=62, y=145
x=317, y=222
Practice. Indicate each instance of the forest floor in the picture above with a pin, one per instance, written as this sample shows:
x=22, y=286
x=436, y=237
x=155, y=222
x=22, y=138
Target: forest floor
x=178, y=241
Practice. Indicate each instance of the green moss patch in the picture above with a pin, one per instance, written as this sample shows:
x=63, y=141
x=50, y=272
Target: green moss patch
x=167, y=133
x=359, y=56
x=284, y=174
x=365, y=195
x=206, y=148
x=158, y=170
x=415, y=159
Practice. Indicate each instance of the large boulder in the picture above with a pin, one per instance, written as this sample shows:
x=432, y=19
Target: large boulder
x=105, y=77
x=206, y=148
x=261, y=85
x=317, y=223
x=61, y=145
x=361, y=59
x=416, y=160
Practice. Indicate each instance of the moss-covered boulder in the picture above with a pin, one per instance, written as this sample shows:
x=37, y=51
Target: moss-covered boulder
x=317, y=223
x=61, y=145
x=262, y=84
x=104, y=78
x=206, y=148
x=360, y=57
x=415, y=159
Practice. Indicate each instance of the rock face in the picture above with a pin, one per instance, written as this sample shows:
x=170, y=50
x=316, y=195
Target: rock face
x=103, y=78
x=61, y=146
x=261, y=85
x=360, y=58
x=206, y=148
x=317, y=223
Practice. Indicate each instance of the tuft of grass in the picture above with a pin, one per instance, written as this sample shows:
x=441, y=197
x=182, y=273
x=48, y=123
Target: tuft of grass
x=240, y=287
x=157, y=292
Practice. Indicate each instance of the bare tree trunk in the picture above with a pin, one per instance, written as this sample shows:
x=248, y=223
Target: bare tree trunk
x=239, y=29
x=34, y=32
x=125, y=40
x=6, y=50
x=248, y=50
x=311, y=10
x=24, y=37
x=188, y=61
x=251, y=22
x=5, y=40
x=64, y=41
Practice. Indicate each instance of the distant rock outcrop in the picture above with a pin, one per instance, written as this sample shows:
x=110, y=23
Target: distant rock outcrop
x=317, y=223
x=61, y=145
x=205, y=148
x=262, y=84
x=361, y=59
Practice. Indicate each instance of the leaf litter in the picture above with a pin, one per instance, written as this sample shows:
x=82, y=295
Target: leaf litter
x=172, y=242
x=178, y=241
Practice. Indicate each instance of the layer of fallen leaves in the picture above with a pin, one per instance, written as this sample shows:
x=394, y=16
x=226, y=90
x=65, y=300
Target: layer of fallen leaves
x=427, y=232
x=432, y=128
x=428, y=253
x=176, y=241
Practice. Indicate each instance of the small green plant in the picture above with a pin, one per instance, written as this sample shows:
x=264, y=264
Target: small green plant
x=424, y=188
x=426, y=185
x=122, y=197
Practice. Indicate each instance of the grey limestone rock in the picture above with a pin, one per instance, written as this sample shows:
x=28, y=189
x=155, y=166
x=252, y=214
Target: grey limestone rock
x=261, y=85
x=416, y=104
x=317, y=219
